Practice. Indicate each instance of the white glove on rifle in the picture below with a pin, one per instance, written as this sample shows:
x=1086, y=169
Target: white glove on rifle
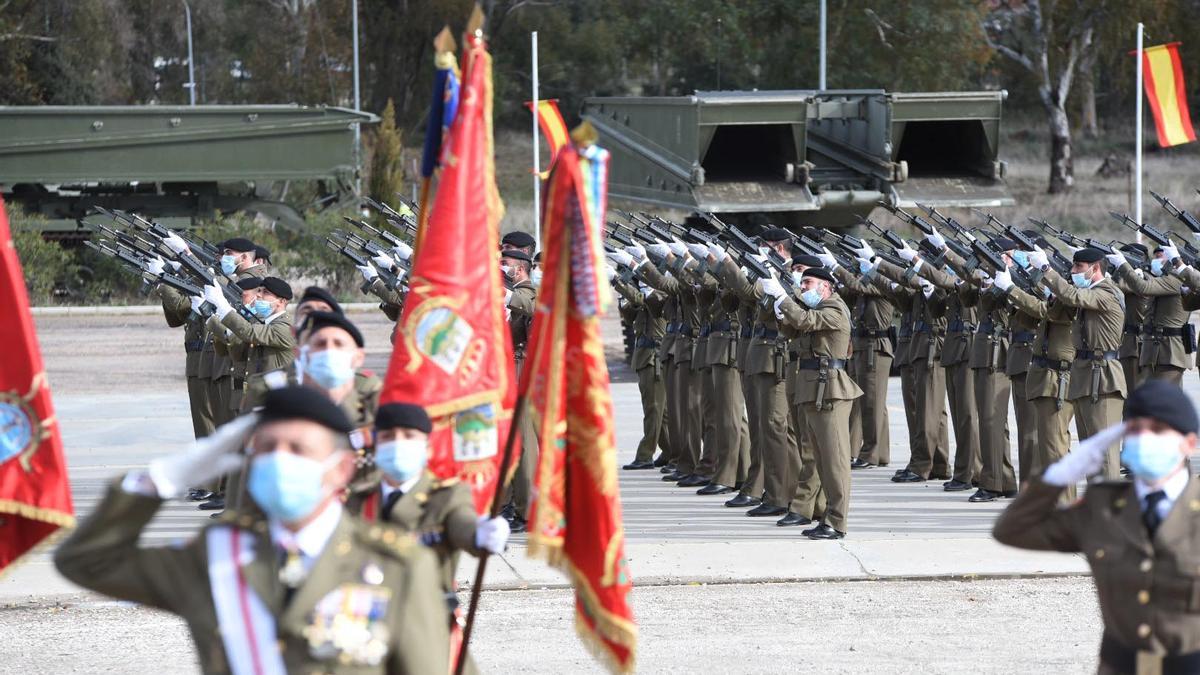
x=403, y=251
x=1003, y=280
x=698, y=251
x=214, y=455
x=196, y=301
x=368, y=272
x=636, y=251
x=907, y=252
x=772, y=287
x=678, y=249
x=1171, y=252
x=659, y=251
x=384, y=261
x=491, y=534
x=1037, y=258
x=622, y=258
x=716, y=252
x=1116, y=259
x=1085, y=460
x=214, y=296
x=610, y=272
x=175, y=242
x=936, y=240
x=864, y=253
x=827, y=259
x=156, y=266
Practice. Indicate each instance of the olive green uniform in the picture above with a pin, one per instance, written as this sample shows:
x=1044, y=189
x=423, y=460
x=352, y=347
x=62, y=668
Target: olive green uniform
x=870, y=366
x=825, y=391
x=269, y=346
x=731, y=436
x=1164, y=353
x=442, y=515
x=1097, y=380
x=1136, y=308
x=103, y=555
x=803, y=480
x=177, y=309
x=1023, y=332
x=520, y=319
x=648, y=328
x=1146, y=585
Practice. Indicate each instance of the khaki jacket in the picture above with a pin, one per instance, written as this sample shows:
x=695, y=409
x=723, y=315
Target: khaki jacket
x=902, y=298
x=871, y=315
x=1136, y=308
x=1099, y=326
x=961, y=317
x=766, y=352
x=176, y=309
x=442, y=515
x=928, y=314
x=1164, y=315
x=520, y=316
x=827, y=327
x=1053, y=341
x=1149, y=588
x=103, y=555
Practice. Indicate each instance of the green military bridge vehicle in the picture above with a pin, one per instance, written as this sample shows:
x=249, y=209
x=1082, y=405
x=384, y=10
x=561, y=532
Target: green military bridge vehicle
x=803, y=157
x=172, y=162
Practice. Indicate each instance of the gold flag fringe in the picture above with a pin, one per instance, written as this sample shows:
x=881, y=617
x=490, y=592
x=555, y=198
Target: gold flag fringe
x=64, y=521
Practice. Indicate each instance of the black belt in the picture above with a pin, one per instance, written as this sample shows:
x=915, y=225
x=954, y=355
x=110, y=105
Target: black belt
x=746, y=330
x=818, y=364
x=685, y=331
x=1165, y=332
x=238, y=383
x=1051, y=364
x=704, y=330
x=764, y=332
x=1123, y=659
x=1133, y=329
x=643, y=342
x=922, y=327
x=960, y=326
x=870, y=333
x=672, y=328
x=1025, y=336
x=1097, y=355
x=719, y=326
x=989, y=328
x=193, y=346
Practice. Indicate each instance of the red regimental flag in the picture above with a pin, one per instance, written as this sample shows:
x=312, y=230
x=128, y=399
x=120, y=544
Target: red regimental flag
x=575, y=519
x=453, y=353
x=35, y=497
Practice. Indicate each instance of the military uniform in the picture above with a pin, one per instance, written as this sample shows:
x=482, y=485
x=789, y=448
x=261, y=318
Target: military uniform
x=825, y=391
x=731, y=438
x=1165, y=350
x=1023, y=332
x=270, y=346
x=380, y=582
x=1136, y=307
x=870, y=366
x=803, y=481
x=648, y=328
x=177, y=309
x=520, y=319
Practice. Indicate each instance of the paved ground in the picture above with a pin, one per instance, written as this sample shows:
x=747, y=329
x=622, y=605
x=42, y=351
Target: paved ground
x=119, y=390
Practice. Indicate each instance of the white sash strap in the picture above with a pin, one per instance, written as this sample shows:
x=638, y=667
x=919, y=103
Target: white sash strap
x=247, y=627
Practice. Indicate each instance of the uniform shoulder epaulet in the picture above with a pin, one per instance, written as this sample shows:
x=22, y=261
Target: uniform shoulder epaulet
x=386, y=539
x=440, y=483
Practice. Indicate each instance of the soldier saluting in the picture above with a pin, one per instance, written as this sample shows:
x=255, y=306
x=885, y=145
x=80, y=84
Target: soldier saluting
x=1141, y=537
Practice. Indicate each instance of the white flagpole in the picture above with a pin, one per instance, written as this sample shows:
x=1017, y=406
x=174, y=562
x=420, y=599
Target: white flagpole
x=1137, y=181
x=537, y=151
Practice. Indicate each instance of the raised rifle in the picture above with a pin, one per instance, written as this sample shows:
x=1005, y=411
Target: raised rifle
x=351, y=241
x=1183, y=216
x=1154, y=234
x=916, y=221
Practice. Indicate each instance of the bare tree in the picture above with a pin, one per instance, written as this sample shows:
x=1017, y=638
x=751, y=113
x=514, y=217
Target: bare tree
x=1049, y=43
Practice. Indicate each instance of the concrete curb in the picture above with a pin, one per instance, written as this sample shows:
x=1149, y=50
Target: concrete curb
x=141, y=310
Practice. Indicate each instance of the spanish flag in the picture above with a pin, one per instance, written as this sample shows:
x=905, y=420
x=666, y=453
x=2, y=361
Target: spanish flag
x=1168, y=96
x=553, y=127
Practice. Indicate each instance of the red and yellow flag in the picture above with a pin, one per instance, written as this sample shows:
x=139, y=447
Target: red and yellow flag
x=1163, y=75
x=575, y=518
x=550, y=120
x=453, y=353
x=35, y=496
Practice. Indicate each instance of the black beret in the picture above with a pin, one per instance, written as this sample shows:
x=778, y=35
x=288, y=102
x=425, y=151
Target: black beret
x=806, y=260
x=1004, y=243
x=1088, y=255
x=1165, y=402
x=406, y=415
x=818, y=273
x=1136, y=248
x=519, y=239
x=318, y=293
x=318, y=320
x=516, y=255
x=537, y=257
x=239, y=244
x=249, y=283
x=304, y=403
x=774, y=234
x=278, y=286
x=262, y=252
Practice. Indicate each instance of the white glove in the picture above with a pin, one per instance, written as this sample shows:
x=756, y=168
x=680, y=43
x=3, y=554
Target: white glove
x=610, y=272
x=827, y=259
x=777, y=305
x=491, y=534
x=907, y=252
x=1116, y=259
x=507, y=297
x=1171, y=251
x=772, y=287
x=214, y=296
x=698, y=251
x=403, y=251
x=936, y=240
x=1003, y=280
x=214, y=455
x=636, y=251
x=384, y=261
x=1196, y=236
x=368, y=272
x=196, y=302
x=864, y=253
x=622, y=258
x=175, y=243
x=678, y=249
x=400, y=273
x=1085, y=460
x=174, y=265
x=718, y=254
x=1037, y=258
x=659, y=251
x=155, y=266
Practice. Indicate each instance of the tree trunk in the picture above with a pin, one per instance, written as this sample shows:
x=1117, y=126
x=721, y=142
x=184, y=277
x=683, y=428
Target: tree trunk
x=1062, y=165
x=1087, y=80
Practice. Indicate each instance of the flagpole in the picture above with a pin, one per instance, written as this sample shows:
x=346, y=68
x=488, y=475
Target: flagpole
x=477, y=587
x=1137, y=180
x=537, y=154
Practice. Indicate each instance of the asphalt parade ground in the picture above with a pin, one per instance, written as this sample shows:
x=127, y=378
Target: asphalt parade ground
x=118, y=386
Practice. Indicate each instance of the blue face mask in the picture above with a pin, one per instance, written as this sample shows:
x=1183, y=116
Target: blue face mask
x=330, y=368
x=262, y=309
x=811, y=297
x=287, y=486
x=1079, y=280
x=228, y=264
x=1021, y=258
x=1156, y=267
x=1151, y=457
x=401, y=460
